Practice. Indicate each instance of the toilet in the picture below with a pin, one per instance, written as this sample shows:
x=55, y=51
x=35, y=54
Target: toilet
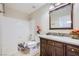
x=32, y=45
x=30, y=48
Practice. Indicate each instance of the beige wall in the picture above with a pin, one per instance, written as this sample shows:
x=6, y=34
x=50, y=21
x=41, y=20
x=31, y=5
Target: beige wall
x=43, y=16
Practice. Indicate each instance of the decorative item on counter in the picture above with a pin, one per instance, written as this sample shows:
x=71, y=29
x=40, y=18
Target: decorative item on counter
x=75, y=34
x=38, y=29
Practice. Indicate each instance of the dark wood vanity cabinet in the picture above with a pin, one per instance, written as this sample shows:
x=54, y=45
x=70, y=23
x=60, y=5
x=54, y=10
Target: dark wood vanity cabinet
x=51, y=48
x=55, y=48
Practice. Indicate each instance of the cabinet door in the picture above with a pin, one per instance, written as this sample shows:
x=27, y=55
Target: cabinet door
x=50, y=50
x=43, y=50
x=42, y=47
x=59, y=51
x=72, y=50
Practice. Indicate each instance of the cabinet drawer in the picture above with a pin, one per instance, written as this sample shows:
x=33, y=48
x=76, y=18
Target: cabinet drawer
x=50, y=42
x=73, y=49
x=58, y=44
x=69, y=53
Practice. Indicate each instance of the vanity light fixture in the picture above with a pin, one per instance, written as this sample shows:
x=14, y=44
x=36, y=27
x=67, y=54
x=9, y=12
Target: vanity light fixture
x=51, y=6
x=33, y=7
x=55, y=5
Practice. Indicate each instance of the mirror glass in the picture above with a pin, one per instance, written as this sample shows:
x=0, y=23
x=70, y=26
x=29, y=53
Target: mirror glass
x=61, y=18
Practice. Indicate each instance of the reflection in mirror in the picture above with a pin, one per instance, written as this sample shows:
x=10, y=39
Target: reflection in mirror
x=61, y=18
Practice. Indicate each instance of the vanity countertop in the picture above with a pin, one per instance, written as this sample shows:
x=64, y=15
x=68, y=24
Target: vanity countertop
x=68, y=40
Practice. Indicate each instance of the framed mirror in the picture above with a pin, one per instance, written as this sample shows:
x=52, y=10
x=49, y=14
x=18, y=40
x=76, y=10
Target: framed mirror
x=61, y=17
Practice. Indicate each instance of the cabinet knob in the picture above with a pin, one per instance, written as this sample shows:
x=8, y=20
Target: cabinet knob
x=73, y=50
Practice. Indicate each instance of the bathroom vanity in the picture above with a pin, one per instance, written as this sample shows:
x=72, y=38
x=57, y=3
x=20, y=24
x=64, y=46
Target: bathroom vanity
x=55, y=45
x=58, y=46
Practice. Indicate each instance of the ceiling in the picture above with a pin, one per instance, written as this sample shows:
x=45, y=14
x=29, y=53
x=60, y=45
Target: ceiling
x=25, y=7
